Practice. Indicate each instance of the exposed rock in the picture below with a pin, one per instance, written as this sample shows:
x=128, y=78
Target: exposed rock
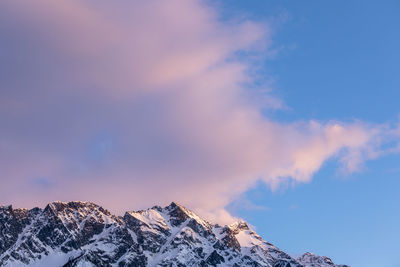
x=85, y=234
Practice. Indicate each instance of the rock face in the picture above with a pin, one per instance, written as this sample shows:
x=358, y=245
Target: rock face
x=85, y=234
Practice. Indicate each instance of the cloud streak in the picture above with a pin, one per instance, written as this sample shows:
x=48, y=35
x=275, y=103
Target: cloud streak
x=130, y=104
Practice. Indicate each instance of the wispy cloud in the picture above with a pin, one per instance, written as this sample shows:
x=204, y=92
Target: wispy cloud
x=130, y=104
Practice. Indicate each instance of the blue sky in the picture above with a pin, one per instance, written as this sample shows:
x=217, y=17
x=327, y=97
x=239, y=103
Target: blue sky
x=340, y=60
x=284, y=113
x=337, y=59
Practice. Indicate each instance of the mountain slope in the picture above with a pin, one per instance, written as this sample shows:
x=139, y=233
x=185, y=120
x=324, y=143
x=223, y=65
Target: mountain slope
x=85, y=234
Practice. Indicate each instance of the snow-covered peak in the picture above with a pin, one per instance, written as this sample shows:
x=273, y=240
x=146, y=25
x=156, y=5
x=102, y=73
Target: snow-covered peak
x=178, y=214
x=77, y=212
x=238, y=226
x=84, y=234
x=8, y=209
x=72, y=206
x=5, y=207
x=311, y=260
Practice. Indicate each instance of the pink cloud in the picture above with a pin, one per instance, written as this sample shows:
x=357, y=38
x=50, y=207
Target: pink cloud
x=163, y=80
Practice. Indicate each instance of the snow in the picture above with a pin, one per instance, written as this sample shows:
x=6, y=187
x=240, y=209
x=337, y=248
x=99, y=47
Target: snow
x=149, y=217
x=169, y=245
x=158, y=258
x=55, y=259
x=85, y=264
x=245, y=239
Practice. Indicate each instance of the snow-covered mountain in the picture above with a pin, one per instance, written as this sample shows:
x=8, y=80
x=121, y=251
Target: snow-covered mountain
x=85, y=234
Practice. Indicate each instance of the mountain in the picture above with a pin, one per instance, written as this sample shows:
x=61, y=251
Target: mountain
x=84, y=234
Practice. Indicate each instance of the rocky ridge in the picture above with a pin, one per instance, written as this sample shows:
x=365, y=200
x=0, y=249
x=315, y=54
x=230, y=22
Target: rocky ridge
x=84, y=234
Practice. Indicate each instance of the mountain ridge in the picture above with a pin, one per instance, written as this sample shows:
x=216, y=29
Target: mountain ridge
x=80, y=233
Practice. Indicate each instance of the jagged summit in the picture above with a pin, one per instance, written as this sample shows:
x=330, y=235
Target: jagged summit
x=309, y=259
x=239, y=226
x=85, y=234
x=73, y=205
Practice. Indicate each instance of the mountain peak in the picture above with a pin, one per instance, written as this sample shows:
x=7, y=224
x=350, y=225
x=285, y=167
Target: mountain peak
x=84, y=234
x=6, y=208
x=61, y=205
x=239, y=226
x=309, y=259
x=180, y=214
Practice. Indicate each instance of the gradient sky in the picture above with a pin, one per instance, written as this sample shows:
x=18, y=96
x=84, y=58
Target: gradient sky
x=283, y=113
x=338, y=59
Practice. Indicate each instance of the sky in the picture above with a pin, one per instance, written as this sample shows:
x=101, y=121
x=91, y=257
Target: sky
x=282, y=113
